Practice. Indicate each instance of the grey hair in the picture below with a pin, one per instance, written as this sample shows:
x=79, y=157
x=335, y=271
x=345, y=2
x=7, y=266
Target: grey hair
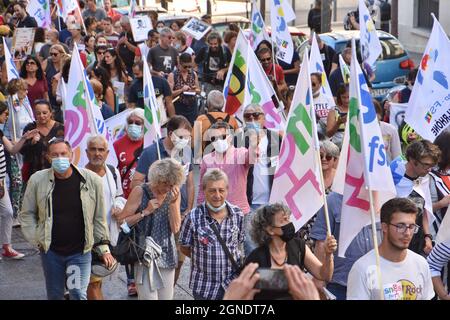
x=138, y=112
x=263, y=218
x=124, y=19
x=330, y=148
x=255, y=106
x=214, y=175
x=167, y=171
x=97, y=138
x=165, y=31
x=215, y=101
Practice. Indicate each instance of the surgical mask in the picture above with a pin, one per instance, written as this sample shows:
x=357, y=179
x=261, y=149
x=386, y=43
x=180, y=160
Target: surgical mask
x=221, y=145
x=159, y=29
x=177, y=46
x=134, y=131
x=288, y=232
x=215, y=209
x=60, y=164
x=179, y=143
x=253, y=126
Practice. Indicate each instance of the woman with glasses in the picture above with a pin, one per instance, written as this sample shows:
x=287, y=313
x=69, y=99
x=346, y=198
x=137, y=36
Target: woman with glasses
x=6, y=210
x=183, y=82
x=337, y=118
x=322, y=104
x=32, y=73
x=53, y=65
x=274, y=234
x=34, y=150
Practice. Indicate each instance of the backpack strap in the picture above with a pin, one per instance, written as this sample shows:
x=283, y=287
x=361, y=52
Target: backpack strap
x=113, y=171
x=211, y=119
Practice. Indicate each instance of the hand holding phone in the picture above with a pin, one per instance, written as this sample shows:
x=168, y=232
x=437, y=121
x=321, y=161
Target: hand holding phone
x=272, y=279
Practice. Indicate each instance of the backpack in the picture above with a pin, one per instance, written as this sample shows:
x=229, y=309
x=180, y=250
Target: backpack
x=385, y=10
x=113, y=171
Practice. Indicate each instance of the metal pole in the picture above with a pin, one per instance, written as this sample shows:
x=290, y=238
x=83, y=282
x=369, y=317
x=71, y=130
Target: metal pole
x=293, y=8
x=208, y=6
x=335, y=10
x=262, y=9
x=394, y=18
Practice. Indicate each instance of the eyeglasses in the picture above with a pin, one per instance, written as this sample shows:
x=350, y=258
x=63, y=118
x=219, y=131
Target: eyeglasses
x=30, y=63
x=54, y=54
x=401, y=227
x=264, y=60
x=426, y=165
x=327, y=157
x=221, y=137
x=139, y=123
x=254, y=115
x=101, y=52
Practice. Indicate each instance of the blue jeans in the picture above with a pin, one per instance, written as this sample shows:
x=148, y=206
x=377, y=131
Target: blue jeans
x=338, y=290
x=75, y=268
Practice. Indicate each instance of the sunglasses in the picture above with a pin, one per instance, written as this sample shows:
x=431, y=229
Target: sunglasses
x=264, y=60
x=101, y=52
x=30, y=63
x=326, y=157
x=217, y=138
x=254, y=115
x=139, y=123
x=54, y=54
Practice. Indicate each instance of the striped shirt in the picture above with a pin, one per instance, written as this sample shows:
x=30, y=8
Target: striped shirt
x=2, y=158
x=211, y=268
x=438, y=258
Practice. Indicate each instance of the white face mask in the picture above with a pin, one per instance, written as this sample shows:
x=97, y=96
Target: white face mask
x=214, y=209
x=179, y=143
x=221, y=145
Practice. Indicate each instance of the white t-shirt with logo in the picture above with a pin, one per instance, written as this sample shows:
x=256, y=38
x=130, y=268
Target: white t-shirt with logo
x=409, y=279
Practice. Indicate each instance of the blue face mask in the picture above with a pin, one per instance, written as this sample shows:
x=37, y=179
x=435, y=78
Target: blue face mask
x=253, y=125
x=134, y=131
x=214, y=209
x=60, y=164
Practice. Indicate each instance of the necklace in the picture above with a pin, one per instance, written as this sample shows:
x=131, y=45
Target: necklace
x=276, y=262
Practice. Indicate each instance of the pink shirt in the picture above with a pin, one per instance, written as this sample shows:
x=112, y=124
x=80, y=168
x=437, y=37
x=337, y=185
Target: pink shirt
x=235, y=164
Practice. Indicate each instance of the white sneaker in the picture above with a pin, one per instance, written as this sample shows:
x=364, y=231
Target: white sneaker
x=16, y=223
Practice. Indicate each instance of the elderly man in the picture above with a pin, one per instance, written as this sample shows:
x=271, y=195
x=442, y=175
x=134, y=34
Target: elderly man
x=163, y=57
x=65, y=228
x=215, y=262
x=97, y=153
x=126, y=44
x=215, y=103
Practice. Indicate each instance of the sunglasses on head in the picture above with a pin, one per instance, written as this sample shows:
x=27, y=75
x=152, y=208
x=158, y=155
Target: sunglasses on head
x=327, y=157
x=250, y=115
x=221, y=137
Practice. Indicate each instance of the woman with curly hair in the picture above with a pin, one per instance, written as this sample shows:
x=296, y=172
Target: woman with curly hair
x=32, y=73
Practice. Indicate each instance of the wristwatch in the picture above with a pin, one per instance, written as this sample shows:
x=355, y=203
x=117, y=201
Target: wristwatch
x=428, y=236
x=143, y=214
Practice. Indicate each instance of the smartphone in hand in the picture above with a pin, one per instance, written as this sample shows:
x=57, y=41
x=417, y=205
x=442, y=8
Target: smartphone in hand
x=271, y=279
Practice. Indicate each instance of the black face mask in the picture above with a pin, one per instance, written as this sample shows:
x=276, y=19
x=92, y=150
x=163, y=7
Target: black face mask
x=288, y=232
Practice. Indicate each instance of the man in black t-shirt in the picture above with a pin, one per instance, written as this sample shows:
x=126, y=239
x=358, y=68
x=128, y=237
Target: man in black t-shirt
x=23, y=18
x=136, y=91
x=163, y=57
x=63, y=214
x=126, y=45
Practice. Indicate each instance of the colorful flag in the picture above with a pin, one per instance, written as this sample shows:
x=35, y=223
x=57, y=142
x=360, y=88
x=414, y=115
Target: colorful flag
x=132, y=11
x=116, y=125
x=364, y=155
x=152, y=124
x=296, y=180
x=82, y=114
x=40, y=11
x=316, y=65
x=280, y=31
x=258, y=89
x=428, y=112
x=65, y=7
x=258, y=31
x=235, y=81
x=370, y=44
x=345, y=71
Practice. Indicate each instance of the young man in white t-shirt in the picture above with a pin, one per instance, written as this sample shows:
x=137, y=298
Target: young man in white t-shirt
x=405, y=275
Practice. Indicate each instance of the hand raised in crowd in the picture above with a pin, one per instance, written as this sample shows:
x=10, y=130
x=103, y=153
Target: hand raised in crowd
x=330, y=245
x=31, y=134
x=300, y=286
x=243, y=287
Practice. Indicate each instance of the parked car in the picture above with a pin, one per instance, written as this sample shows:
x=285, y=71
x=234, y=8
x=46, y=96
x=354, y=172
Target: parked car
x=392, y=66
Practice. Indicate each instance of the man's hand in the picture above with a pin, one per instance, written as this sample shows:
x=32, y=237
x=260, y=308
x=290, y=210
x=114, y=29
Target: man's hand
x=108, y=259
x=428, y=246
x=242, y=288
x=300, y=287
x=330, y=245
x=220, y=74
x=121, y=41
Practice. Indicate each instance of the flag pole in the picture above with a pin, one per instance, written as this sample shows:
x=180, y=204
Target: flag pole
x=375, y=242
x=273, y=63
x=157, y=147
x=322, y=186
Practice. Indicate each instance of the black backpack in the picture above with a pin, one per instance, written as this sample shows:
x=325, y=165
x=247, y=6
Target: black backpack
x=385, y=10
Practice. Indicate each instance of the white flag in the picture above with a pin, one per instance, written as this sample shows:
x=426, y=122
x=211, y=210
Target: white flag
x=116, y=125
x=152, y=124
x=40, y=11
x=258, y=31
x=66, y=6
x=280, y=31
x=296, y=180
x=428, y=112
x=317, y=66
x=370, y=44
x=11, y=71
x=397, y=113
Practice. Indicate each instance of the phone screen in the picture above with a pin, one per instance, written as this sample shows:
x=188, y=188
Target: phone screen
x=271, y=279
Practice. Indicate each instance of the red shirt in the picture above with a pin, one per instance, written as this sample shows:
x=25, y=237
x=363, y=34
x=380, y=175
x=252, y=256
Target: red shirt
x=278, y=70
x=114, y=15
x=37, y=90
x=125, y=149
